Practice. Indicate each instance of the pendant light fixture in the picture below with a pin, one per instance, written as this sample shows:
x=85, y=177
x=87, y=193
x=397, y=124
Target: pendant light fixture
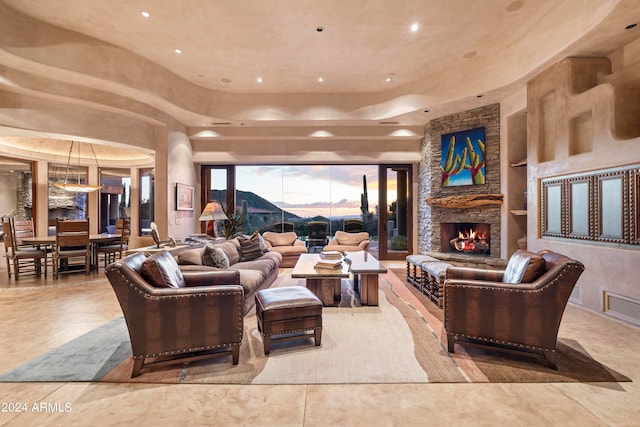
x=77, y=187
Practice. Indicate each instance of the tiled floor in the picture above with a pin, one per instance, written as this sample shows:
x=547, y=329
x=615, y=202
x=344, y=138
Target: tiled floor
x=36, y=319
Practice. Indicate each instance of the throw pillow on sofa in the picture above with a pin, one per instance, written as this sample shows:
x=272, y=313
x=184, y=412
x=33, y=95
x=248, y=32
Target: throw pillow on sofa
x=263, y=245
x=250, y=247
x=231, y=251
x=162, y=271
x=191, y=256
x=523, y=267
x=215, y=257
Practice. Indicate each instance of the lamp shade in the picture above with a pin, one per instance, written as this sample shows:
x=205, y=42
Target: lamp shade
x=212, y=212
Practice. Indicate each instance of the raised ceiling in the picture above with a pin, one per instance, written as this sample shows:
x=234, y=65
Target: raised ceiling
x=376, y=71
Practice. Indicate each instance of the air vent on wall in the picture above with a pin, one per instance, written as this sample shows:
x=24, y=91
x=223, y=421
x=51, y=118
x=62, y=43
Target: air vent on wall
x=389, y=123
x=221, y=123
x=576, y=294
x=624, y=308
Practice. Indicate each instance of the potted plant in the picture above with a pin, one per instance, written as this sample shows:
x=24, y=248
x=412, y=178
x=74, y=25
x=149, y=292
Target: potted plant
x=232, y=226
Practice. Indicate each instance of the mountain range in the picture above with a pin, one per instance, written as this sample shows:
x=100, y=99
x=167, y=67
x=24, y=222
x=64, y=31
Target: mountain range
x=253, y=201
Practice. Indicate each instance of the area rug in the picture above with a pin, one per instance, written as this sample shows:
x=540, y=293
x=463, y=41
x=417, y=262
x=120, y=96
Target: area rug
x=399, y=341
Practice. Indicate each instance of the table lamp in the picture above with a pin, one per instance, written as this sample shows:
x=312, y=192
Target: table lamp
x=213, y=212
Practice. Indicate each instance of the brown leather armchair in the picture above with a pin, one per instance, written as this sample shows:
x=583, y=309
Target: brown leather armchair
x=480, y=307
x=174, y=317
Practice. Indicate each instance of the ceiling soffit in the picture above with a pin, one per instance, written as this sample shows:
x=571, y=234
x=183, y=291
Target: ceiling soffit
x=433, y=68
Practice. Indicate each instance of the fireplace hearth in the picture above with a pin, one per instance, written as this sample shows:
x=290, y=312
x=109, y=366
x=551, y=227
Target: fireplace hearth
x=465, y=238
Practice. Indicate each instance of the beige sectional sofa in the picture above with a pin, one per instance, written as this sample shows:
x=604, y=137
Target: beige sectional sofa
x=255, y=274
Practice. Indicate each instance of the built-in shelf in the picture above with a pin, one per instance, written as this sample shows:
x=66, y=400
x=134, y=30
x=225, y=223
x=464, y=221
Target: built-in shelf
x=518, y=164
x=519, y=212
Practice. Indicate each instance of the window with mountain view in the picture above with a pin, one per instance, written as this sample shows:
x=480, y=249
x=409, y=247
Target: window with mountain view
x=266, y=195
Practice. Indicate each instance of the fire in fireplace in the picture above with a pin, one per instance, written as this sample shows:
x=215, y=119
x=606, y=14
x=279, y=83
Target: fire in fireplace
x=464, y=237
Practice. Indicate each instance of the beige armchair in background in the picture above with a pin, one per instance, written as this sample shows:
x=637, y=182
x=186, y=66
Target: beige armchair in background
x=351, y=242
x=286, y=244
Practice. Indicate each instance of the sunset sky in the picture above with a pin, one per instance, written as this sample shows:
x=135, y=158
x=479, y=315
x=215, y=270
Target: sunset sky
x=307, y=191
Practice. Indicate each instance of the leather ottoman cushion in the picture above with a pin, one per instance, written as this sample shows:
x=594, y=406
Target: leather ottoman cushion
x=290, y=302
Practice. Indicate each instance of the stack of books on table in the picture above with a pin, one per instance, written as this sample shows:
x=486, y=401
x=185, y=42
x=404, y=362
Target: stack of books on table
x=329, y=264
x=330, y=255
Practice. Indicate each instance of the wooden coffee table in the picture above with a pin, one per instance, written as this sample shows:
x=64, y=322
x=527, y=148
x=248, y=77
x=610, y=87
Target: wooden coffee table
x=365, y=269
x=325, y=284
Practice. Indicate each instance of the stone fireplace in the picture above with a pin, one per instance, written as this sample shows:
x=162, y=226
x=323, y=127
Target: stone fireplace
x=439, y=224
x=447, y=222
x=471, y=238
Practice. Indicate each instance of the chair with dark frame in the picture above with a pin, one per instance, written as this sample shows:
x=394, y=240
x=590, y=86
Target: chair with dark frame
x=353, y=225
x=283, y=227
x=317, y=234
x=72, y=243
x=113, y=251
x=23, y=259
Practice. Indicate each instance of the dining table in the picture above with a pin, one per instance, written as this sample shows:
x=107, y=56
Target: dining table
x=95, y=240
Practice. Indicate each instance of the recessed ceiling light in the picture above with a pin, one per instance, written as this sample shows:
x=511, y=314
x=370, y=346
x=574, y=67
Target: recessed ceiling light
x=320, y=29
x=225, y=80
x=469, y=54
x=145, y=14
x=630, y=26
x=414, y=27
x=320, y=80
x=479, y=96
x=259, y=79
x=177, y=50
x=426, y=111
x=388, y=79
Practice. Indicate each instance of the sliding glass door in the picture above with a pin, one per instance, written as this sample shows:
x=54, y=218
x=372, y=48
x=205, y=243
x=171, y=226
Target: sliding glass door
x=396, y=217
x=267, y=195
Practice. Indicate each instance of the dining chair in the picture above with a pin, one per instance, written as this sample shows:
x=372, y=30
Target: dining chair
x=113, y=251
x=23, y=229
x=72, y=244
x=24, y=259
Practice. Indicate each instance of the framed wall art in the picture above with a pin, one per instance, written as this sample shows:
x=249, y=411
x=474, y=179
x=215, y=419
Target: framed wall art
x=184, y=197
x=462, y=161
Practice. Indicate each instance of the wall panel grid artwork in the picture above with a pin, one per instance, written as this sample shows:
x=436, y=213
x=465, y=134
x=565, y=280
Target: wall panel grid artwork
x=599, y=206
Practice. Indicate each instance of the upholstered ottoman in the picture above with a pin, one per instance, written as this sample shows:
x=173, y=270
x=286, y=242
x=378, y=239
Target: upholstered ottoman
x=288, y=313
x=434, y=273
x=414, y=270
